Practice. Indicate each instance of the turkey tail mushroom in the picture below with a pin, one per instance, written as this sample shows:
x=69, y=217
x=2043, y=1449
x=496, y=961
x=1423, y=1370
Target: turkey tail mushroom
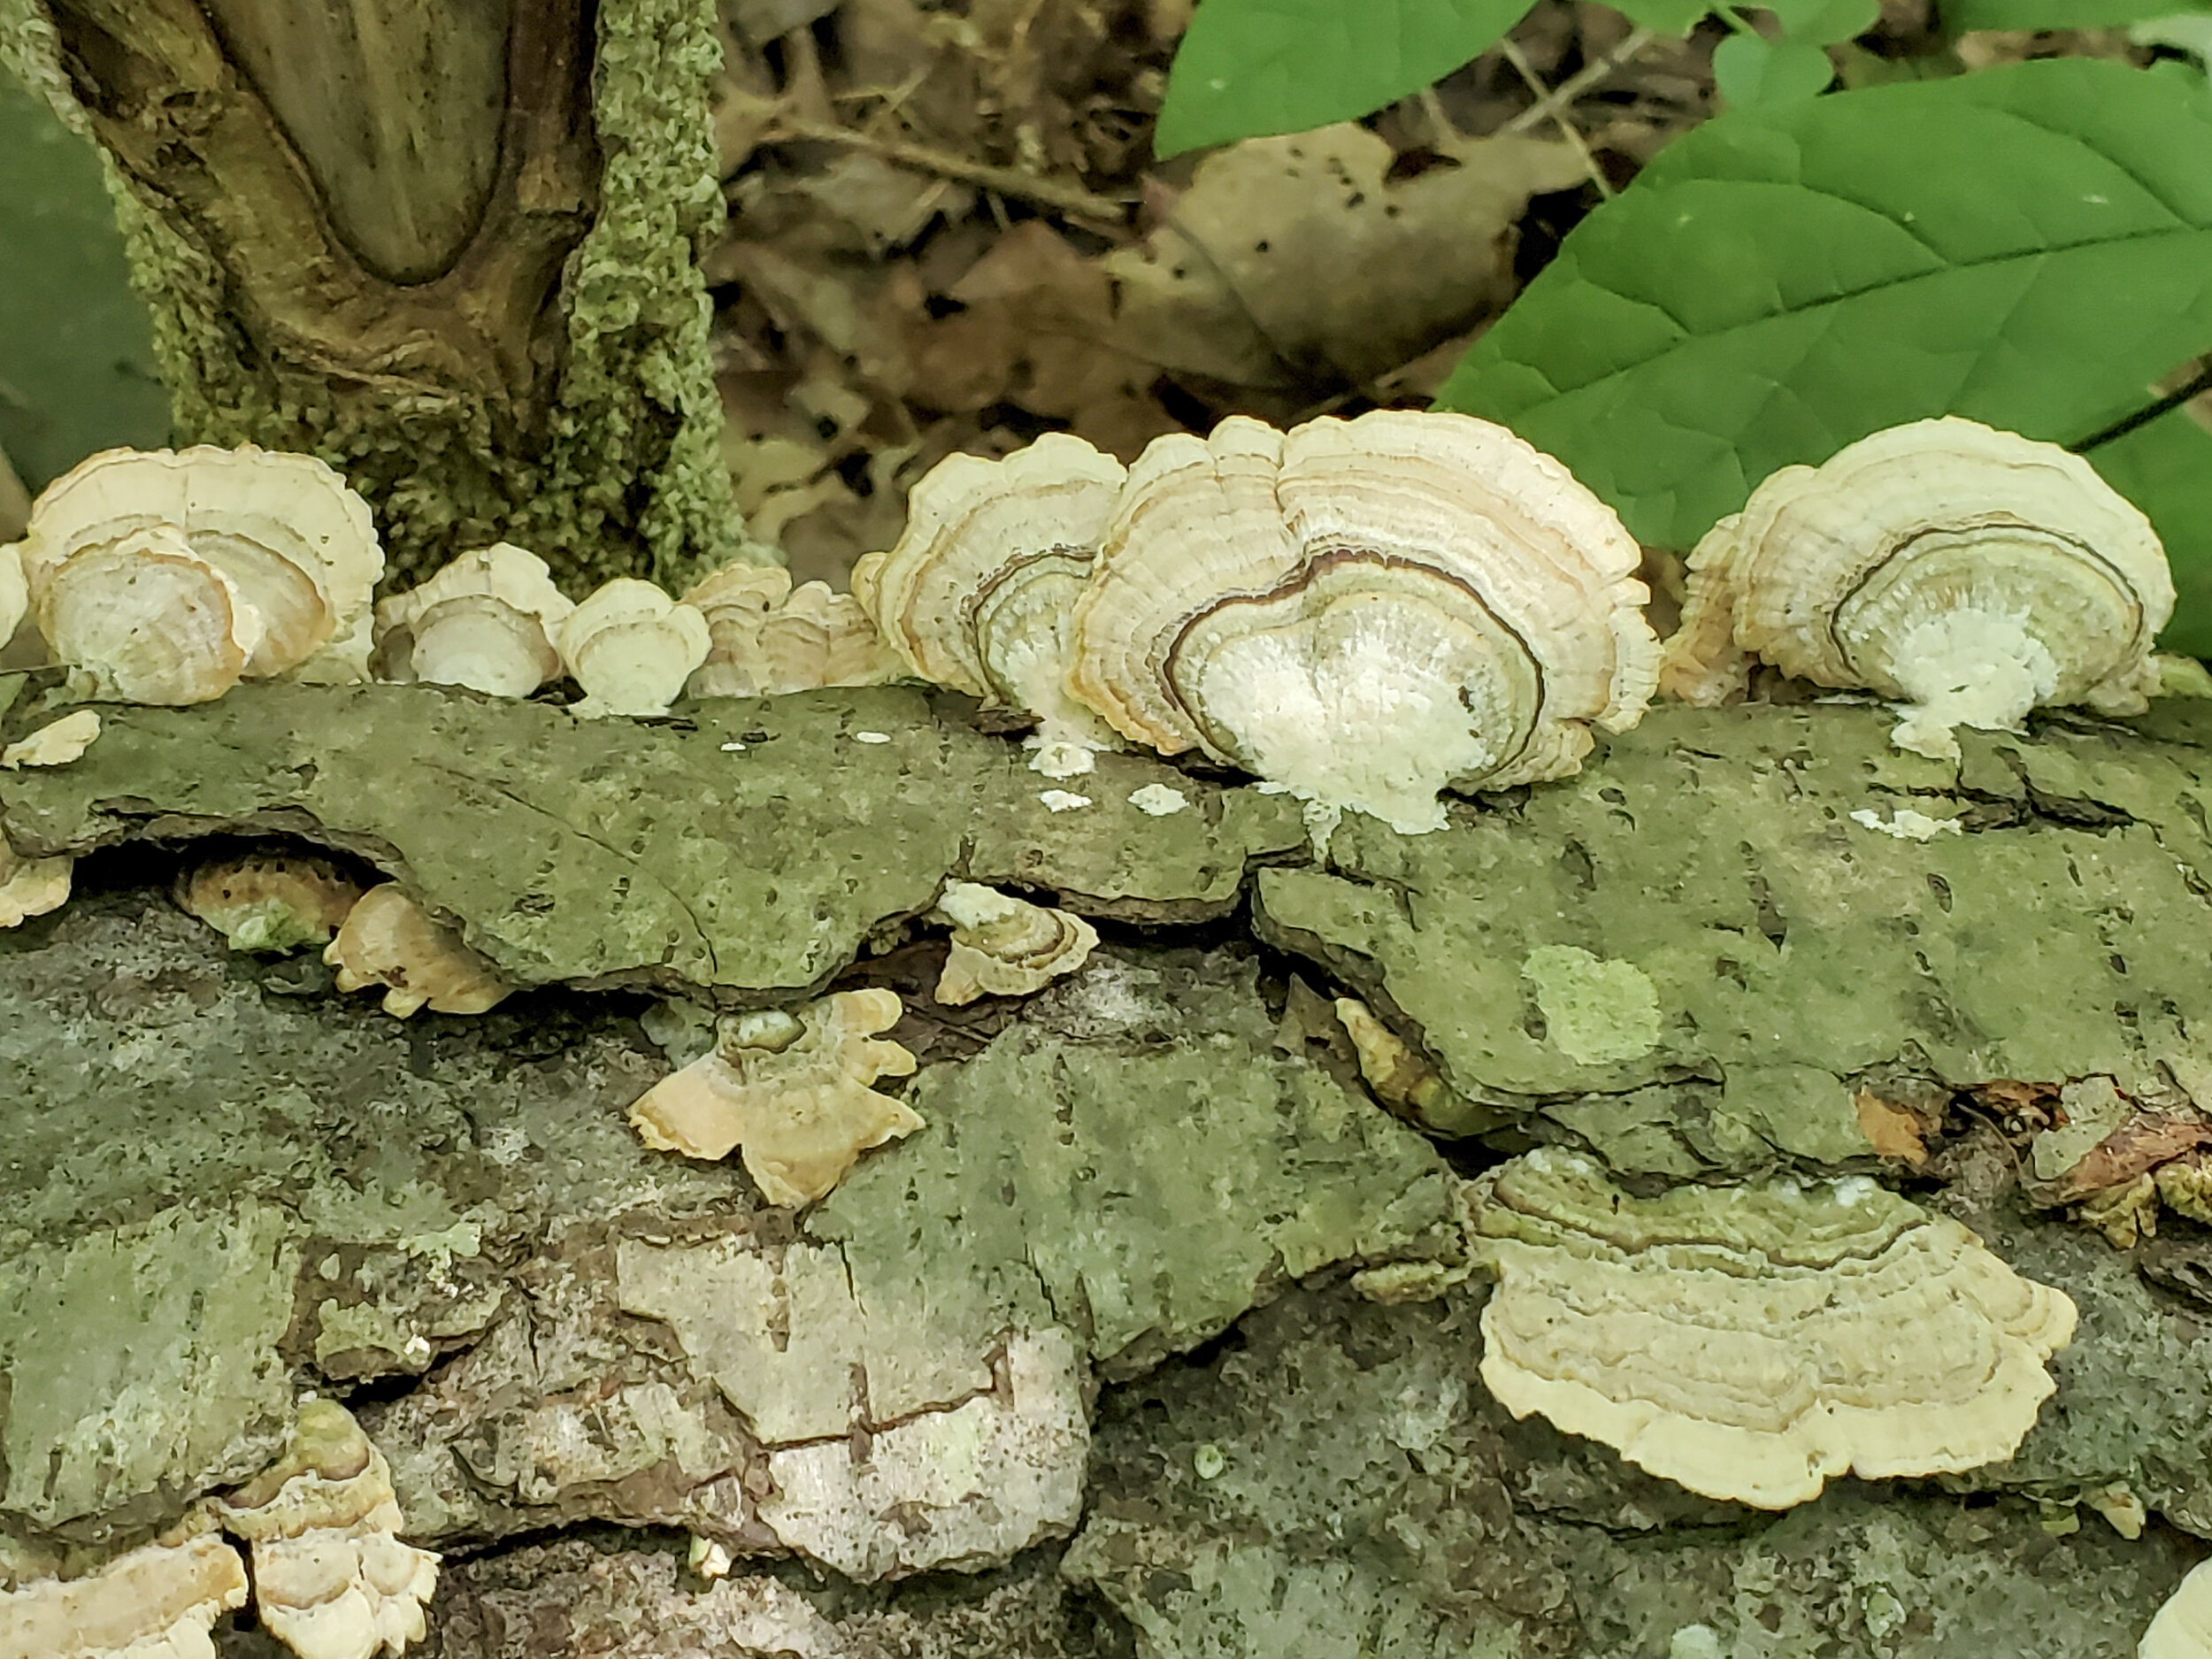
x=979, y=593
x=1966, y=573
x=166, y=576
x=1368, y=612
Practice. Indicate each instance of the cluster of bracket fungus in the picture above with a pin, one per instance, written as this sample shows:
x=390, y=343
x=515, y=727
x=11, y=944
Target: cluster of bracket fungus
x=1366, y=612
x=487, y=620
x=492, y=619
x=1969, y=574
x=1002, y=946
x=269, y=900
x=1751, y=1342
x=791, y=1088
x=167, y=576
x=332, y=1580
x=159, y=1600
x=388, y=940
x=766, y=639
x=980, y=592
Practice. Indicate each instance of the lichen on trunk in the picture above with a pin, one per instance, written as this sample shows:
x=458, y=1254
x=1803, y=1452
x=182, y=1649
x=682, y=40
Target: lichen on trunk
x=452, y=250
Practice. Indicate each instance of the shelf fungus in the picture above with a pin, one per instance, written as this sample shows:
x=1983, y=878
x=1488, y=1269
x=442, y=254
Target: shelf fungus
x=487, y=620
x=1967, y=574
x=1002, y=946
x=388, y=940
x=1366, y=611
x=766, y=639
x=631, y=648
x=166, y=576
x=330, y=1578
x=269, y=902
x=980, y=592
x=1749, y=1343
x=157, y=1602
x=2181, y=1627
x=56, y=743
x=791, y=1089
x=31, y=887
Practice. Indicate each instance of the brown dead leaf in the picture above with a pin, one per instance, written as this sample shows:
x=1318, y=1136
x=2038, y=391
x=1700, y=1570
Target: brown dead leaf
x=915, y=59
x=1031, y=329
x=888, y=206
x=2128, y=1155
x=1891, y=1130
x=1298, y=259
x=2023, y=1108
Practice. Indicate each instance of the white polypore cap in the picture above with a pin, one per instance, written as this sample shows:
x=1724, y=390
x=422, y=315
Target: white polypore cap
x=631, y=646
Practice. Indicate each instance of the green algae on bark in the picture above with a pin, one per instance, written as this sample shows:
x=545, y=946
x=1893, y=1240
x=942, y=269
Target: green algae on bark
x=1709, y=863
x=1152, y=1167
x=227, y=1189
x=309, y=1193
x=143, y=1359
x=748, y=848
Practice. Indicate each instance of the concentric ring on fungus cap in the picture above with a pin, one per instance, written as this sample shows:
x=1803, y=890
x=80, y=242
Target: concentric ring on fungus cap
x=1275, y=553
x=294, y=544
x=1969, y=573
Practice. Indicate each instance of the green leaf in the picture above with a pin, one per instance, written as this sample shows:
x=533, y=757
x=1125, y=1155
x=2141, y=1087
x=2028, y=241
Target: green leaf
x=2031, y=246
x=1960, y=15
x=76, y=350
x=2165, y=468
x=1250, y=67
x=1752, y=72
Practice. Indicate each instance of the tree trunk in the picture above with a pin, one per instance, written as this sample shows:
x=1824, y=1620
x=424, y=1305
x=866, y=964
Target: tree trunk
x=451, y=250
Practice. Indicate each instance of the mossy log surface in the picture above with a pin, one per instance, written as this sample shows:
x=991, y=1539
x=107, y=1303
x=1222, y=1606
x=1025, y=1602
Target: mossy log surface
x=227, y=1182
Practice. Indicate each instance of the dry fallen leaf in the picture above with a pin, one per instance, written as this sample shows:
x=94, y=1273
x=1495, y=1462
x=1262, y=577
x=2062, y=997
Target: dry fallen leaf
x=1031, y=330
x=1892, y=1131
x=1297, y=258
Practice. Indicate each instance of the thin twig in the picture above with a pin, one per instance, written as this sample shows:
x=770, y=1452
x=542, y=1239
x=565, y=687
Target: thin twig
x=2196, y=385
x=1563, y=95
x=1515, y=56
x=1441, y=127
x=1071, y=200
